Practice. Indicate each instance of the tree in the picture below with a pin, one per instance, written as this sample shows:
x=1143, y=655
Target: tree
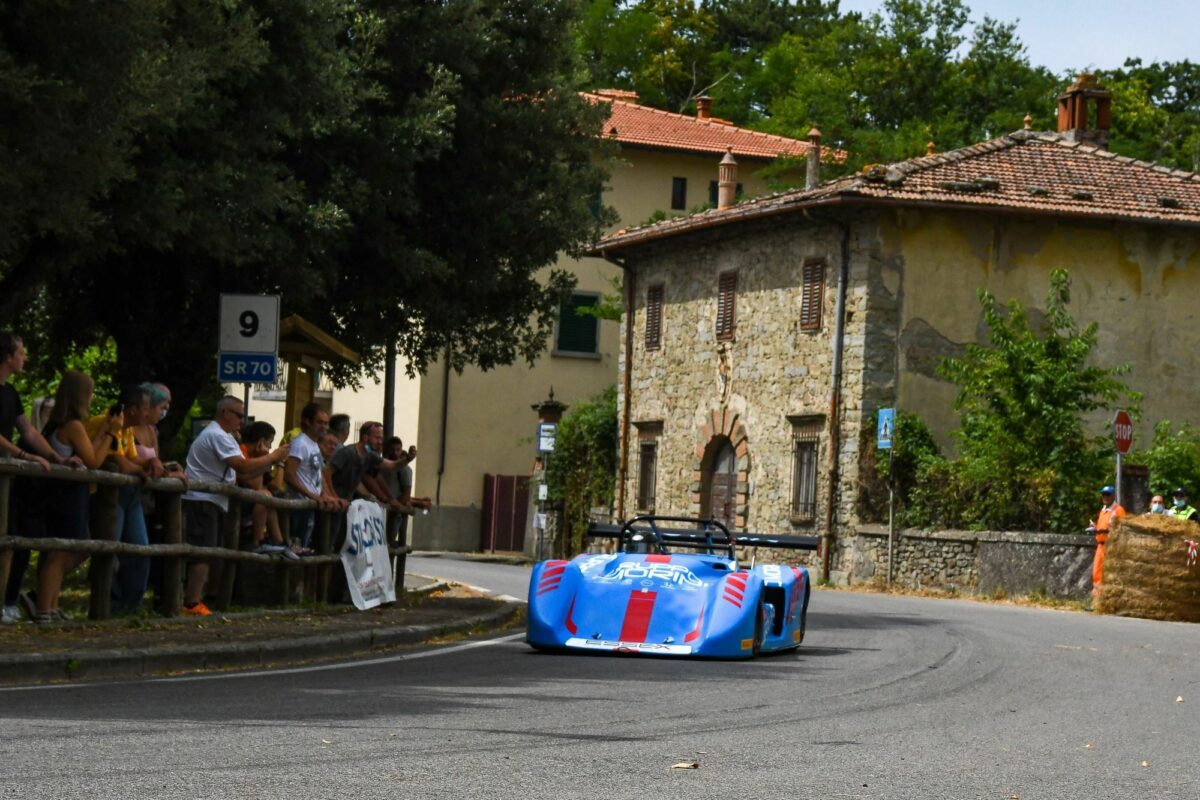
x=1026, y=459
x=397, y=173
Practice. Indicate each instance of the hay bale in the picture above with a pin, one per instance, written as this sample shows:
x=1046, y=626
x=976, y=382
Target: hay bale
x=1146, y=570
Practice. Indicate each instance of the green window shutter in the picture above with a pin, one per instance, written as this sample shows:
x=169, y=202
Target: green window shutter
x=577, y=333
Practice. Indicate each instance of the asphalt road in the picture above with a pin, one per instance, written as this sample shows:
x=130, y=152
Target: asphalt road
x=890, y=697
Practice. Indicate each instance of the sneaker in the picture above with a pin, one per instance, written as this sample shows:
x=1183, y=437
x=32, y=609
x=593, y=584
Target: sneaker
x=11, y=614
x=290, y=555
x=198, y=610
x=267, y=549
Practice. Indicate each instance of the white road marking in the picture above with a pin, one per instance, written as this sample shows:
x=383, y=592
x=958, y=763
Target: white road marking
x=441, y=651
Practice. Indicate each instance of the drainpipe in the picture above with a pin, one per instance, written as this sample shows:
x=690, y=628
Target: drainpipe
x=627, y=381
x=445, y=416
x=835, y=396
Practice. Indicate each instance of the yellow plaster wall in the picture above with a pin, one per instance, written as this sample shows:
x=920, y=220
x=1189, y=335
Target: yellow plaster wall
x=1140, y=283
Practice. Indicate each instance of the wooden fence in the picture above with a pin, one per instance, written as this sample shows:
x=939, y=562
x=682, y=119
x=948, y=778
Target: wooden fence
x=104, y=546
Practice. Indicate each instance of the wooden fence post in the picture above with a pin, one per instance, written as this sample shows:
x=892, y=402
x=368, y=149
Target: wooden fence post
x=104, y=527
x=5, y=555
x=231, y=529
x=324, y=548
x=170, y=504
x=283, y=575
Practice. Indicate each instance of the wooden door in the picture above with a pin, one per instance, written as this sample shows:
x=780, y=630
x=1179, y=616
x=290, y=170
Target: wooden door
x=722, y=503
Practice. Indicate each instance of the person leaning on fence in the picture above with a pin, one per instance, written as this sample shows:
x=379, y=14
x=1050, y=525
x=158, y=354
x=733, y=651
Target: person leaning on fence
x=1180, y=509
x=31, y=446
x=1156, y=505
x=339, y=426
x=133, y=572
x=62, y=509
x=214, y=457
x=263, y=521
x=1110, y=512
x=304, y=470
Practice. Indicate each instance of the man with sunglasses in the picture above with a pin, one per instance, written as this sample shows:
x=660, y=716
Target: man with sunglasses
x=215, y=457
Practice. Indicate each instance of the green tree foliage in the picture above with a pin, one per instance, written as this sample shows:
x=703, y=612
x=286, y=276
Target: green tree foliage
x=1026, y=459
x=880, y=85
x=1173, y=458
x=913, y=447
x=581, y=472
x=396, y=171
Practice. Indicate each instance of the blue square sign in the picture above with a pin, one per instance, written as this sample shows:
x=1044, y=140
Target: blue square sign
x=247, y=367
x=886, y=433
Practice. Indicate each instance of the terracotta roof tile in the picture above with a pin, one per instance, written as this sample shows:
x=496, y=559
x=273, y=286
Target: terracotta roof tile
x=1036, y=173
x=638, y=125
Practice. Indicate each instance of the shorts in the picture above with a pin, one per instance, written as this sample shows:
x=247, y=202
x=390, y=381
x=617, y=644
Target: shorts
x=201, y=523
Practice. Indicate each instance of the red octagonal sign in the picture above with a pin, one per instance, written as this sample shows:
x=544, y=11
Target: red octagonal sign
x=1122, y=431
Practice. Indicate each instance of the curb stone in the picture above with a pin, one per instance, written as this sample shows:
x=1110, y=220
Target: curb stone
x=146, y=662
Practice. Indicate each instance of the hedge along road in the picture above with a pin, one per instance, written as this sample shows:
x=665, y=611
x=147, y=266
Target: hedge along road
x=890, y=697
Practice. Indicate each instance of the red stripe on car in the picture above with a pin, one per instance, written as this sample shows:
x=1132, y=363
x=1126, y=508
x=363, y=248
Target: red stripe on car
x=637, y=616
x=658, y=558
x=570, y=623
x=694, y=634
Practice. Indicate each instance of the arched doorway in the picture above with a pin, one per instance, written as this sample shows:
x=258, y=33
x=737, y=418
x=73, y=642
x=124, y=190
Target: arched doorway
x=719, y=485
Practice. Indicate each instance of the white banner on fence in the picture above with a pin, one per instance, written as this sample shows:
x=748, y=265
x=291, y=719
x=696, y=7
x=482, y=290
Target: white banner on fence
x=365, y=556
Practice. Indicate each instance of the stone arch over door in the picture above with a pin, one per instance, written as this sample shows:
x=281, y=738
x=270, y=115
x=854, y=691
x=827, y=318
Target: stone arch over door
x=721, y=470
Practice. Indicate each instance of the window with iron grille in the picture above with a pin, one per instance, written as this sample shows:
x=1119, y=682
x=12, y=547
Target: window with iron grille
x=679, y=194
x=647, y=475
x=806, y=435
x=654, y=300
x=812, y=295
x=577, y=333
x=726, y=300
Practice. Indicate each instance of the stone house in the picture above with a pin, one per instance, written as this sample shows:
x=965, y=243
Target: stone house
x=760, y=335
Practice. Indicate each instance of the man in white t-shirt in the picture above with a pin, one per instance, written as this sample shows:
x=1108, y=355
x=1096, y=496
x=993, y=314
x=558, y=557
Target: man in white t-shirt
x=214, y=457
x=304, y=473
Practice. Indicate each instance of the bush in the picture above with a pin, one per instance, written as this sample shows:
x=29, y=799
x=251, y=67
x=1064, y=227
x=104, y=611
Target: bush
x=1173, y=459
x=913, y=446
x=581, y=472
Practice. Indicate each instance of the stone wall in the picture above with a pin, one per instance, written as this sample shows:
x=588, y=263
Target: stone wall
x=750, y=389
x=974, y=562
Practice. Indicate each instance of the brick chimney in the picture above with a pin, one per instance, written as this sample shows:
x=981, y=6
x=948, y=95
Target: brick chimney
x=813, y=179
x=1075, y=117
x=703, y=107
x=727, y=180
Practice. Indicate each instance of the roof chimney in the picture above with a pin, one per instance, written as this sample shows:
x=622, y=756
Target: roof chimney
x=703, y=107
x=727, y=180
x=1074, y=112
x=813, y=179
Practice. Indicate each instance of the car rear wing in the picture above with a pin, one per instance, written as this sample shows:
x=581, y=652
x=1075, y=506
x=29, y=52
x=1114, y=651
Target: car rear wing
x=710, y=534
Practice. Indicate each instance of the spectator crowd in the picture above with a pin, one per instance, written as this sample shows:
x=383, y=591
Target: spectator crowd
x=312, y=462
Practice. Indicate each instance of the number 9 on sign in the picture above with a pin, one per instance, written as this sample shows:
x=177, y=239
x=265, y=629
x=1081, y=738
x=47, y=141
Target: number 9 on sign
x=249, y=323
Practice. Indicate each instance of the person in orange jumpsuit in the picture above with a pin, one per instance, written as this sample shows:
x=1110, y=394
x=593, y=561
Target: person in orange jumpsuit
x=1110, y=512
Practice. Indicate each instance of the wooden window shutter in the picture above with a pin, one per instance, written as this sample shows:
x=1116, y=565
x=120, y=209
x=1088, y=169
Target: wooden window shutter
x=726, y=301
x=812, y=295
x=654, y=299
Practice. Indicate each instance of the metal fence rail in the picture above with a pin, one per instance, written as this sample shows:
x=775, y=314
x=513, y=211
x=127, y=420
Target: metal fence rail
x=104, y=546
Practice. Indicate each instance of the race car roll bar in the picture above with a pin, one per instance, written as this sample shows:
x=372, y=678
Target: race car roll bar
x=708, y=535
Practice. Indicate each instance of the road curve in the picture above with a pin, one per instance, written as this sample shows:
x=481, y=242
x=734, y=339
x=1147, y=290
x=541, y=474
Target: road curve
x=890, y=697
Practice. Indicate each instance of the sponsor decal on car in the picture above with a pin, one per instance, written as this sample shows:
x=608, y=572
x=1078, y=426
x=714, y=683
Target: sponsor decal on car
x=618, y=646
x=676, y=574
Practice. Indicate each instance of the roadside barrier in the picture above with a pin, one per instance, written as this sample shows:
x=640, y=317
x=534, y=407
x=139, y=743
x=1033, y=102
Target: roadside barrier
x=104, y=547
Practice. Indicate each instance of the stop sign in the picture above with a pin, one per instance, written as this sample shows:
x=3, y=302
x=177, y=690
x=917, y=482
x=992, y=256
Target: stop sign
x=1122, y=430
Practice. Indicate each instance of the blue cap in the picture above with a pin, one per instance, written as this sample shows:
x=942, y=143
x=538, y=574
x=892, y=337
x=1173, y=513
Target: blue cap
x=1108, y=490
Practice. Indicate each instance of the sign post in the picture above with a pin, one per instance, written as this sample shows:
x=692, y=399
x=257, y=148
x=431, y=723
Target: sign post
x=885, y=436
x=1122, y=432
x=248, y=341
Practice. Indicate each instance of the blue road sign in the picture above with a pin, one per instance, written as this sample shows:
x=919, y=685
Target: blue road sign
x=886, y=433
x=247, y=367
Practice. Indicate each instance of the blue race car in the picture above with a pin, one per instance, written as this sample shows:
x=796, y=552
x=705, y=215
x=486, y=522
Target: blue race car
x=645, y=599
